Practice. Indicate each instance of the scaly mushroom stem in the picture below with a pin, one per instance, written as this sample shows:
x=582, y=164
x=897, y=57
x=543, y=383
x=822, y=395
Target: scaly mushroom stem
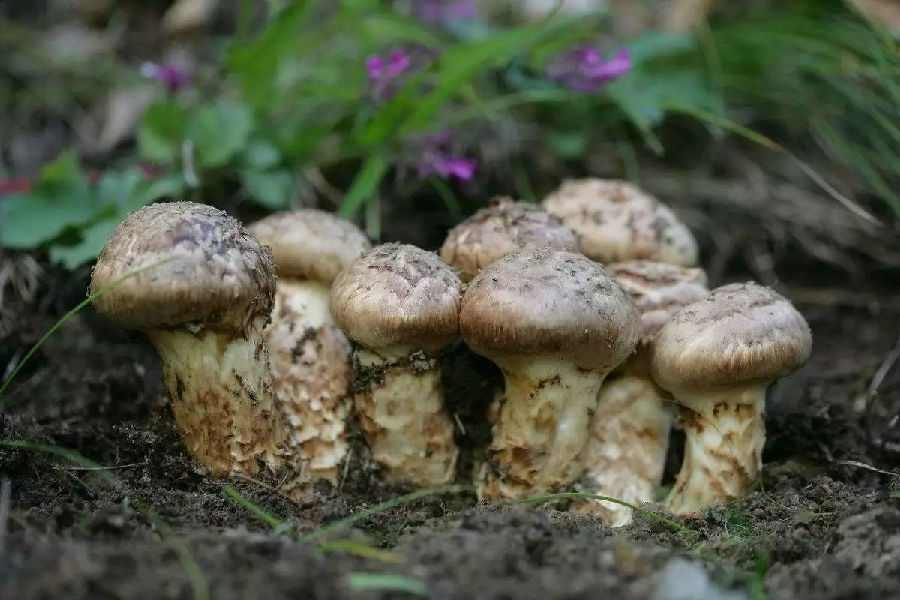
x=626, y=449
x=541, y=428
x=725, y=432
x=400, y=404
x=310, y=360
x=221, y=392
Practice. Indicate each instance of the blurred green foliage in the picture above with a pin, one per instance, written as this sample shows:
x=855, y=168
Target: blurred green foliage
x=294, y=96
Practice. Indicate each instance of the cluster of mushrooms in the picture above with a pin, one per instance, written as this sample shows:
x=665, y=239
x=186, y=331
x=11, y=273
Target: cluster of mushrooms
x=591, y=306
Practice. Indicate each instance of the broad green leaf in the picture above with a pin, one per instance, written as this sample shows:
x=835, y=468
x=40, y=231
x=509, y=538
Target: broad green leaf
x=167, y=186
x=93, y=238
x=219, y=131
x=260, y=155
x=116, y=188
x=364, y=185
x=270, y=189
x=644, y=97
x=62, y=172
x=31, y=220
x=161, y=132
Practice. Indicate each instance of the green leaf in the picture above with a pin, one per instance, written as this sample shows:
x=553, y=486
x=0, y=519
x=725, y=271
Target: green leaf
x=219, y=131
x=167, y=186
x=388, y=582
x=161, y=132
x=660, y=44
x=64, y=171
x=61, y=198
x=256, y=64
x=462, y=62
x=93, y=238
x=270, y=189
x=387, y=29
x=118, y=187
x=260, y=155
x=364, y=185
x=644, y=97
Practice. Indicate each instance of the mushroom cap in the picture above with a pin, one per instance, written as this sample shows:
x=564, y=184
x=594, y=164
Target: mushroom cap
x=541, y=302
x=310, y=244
x=740, y=333
x=500, y=229
x=659, y=290
x=398, y=295
x=208, y=270
x=617, y=221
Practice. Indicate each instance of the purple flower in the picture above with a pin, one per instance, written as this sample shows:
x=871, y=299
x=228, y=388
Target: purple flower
x=433, y=157
x=442, y=12
x=582, y=69
x=384, y=72
x=172, y=75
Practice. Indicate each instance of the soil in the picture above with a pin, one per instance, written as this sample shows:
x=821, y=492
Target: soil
x=823, y=522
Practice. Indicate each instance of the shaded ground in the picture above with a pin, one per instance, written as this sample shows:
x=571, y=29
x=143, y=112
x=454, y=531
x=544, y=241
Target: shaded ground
x=824, y=522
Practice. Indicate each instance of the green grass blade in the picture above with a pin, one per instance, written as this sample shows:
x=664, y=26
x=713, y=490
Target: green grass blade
x=70, y=314
x=381, y=507
x=364, y=185
x=563, y=495
x=386, y=582
x=246, y=503
x=361, y=549
x=182, y=552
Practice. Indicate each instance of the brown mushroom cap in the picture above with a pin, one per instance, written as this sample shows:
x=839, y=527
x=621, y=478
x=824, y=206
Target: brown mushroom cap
x=617, y=221
x=659, y=290
x=500, y=229
x=550, y=302
x=397, y=294
x=741, y=332
x=208, y=270
x=310, y=244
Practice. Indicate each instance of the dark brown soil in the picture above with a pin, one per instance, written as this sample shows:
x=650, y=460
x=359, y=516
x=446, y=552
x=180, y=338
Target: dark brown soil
x=823, y=523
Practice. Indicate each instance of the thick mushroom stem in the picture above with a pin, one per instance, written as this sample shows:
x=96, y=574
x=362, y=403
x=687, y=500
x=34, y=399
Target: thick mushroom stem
x=400, y=405
x=725, y=432
x=626, y=449
x=221, y=392
x=541, y=428
x=310, y=359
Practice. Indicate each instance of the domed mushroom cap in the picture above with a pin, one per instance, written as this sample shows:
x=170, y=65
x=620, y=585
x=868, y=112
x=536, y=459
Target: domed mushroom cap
x=659, y=290
x=397, y=294
x=501, y=229
x=617, y=221
x=310, y=244
x=741, y=332
x=550, y=302
x=212, y=271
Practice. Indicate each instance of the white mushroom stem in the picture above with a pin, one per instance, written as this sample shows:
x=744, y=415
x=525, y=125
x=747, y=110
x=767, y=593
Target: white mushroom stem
x=725, y=432
x=402, y=413
x=221, y=392
x=541, y=428
x=626, y=449
x=310, y=359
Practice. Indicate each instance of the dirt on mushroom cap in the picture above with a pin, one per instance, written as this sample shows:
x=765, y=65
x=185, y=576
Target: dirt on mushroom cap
x=500, y=229
x=550, y=302
x=617, y=221
x=208, y=270
x=659, y=290
x=397, y=294
x=740, y=332
x=310, y=243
